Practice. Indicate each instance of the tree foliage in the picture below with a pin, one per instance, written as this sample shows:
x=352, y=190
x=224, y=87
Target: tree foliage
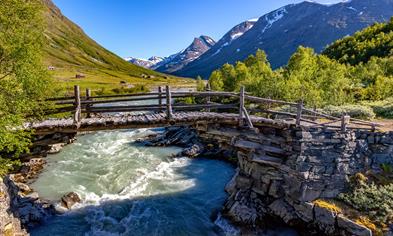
x=23, y=79
x=373, y=41
x=315, y=79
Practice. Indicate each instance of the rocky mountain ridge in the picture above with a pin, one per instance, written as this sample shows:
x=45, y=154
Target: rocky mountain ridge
x=281, y=32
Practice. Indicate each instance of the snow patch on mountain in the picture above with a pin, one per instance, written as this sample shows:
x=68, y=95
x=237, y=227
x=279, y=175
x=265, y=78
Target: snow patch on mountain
x=274, y=17
x=253, y=20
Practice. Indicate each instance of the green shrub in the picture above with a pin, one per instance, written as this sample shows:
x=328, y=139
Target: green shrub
x=7, y=165
x=99, y=92
x=136, y=89
x=355, y=111
x=383, y=109
x=374, y=200
x=186, y=100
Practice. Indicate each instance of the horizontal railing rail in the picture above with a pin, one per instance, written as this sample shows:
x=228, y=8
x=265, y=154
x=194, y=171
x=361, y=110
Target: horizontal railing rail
x=243, y=102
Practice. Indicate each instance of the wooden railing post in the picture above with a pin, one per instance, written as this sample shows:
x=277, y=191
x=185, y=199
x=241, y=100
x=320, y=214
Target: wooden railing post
x=345, y=122
x=241, y=105
x=299, y=112
x=88, y=95
x=208, y=97
x=168, y=103
x=160, y=97
x=373, y=127
x=77, y=114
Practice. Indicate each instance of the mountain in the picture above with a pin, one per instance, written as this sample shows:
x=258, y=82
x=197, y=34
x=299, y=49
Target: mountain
x=177, y=61
x=281, y=32
x=149, y=63
x=69, y=51
x=231, y=36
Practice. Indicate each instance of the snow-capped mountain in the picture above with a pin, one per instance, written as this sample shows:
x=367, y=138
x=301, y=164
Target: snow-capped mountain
x=177, y=61
x=281, y=32
x=232, y=35
x=149, y=63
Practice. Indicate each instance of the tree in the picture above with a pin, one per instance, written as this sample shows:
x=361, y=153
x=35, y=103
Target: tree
x=242, y=75
x=216, y=81
x=200, y=84
x=300, y=77
x=228, y=73
x=23, y=79
x=263, y=81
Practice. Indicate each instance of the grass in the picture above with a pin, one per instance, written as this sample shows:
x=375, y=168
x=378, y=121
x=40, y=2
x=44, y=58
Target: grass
x=99, y=80
x=70, y=51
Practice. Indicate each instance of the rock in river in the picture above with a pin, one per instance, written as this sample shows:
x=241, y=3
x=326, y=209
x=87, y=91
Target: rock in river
x=69, y=200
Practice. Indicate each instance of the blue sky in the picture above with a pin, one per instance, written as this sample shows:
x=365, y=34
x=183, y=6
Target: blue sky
x=143, y=28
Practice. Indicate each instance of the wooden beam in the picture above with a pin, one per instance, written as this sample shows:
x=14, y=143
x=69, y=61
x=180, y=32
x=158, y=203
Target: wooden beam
x=267, y=101
x=58, y=110
x=160, y=96
x=345, y=122
x=125, y=95
x=299, y=112
x=77, y=105
x=88, y=98
x=208, y=97
x=241, y=106
x=169, y=113
x=249, y=122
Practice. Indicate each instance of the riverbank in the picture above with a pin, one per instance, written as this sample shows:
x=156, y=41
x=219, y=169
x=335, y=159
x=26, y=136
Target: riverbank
x=20, y=206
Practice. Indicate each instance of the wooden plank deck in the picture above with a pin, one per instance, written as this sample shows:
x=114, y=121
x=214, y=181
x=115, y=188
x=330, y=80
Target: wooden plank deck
x=148, y=120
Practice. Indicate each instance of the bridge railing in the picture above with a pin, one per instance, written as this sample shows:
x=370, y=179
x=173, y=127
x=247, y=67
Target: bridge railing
x=163, y=101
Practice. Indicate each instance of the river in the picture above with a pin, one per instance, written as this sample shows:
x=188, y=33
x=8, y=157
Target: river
x=129, y=189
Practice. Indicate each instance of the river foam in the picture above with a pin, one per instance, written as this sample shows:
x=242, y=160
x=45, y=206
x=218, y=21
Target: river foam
x=128, y=189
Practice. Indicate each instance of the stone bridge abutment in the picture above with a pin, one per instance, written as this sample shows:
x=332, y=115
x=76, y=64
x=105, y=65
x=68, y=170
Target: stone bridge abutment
x=283, y=170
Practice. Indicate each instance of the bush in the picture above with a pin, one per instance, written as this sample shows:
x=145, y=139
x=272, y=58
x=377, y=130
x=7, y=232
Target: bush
x=7, y=165
x=383, y=109
x=355, y=111
x=136, y=89
x=376, y=201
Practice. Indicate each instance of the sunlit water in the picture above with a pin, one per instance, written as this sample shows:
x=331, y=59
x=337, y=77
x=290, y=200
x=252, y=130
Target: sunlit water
x=129, y=189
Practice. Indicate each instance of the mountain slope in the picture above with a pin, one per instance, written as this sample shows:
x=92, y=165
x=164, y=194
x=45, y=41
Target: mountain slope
x=229, y=37
x=69, y=51
x=280, y=32
x=374, y=41
x=177, y=61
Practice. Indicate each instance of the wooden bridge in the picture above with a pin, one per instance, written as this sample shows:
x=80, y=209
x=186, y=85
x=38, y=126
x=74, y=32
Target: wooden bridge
x=109, y=112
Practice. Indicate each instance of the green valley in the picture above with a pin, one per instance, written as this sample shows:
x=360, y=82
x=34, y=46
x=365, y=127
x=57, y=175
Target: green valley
x=70, y=53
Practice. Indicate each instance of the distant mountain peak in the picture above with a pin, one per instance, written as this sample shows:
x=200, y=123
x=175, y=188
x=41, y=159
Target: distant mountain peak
x=177, y=61
x=146, y=63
